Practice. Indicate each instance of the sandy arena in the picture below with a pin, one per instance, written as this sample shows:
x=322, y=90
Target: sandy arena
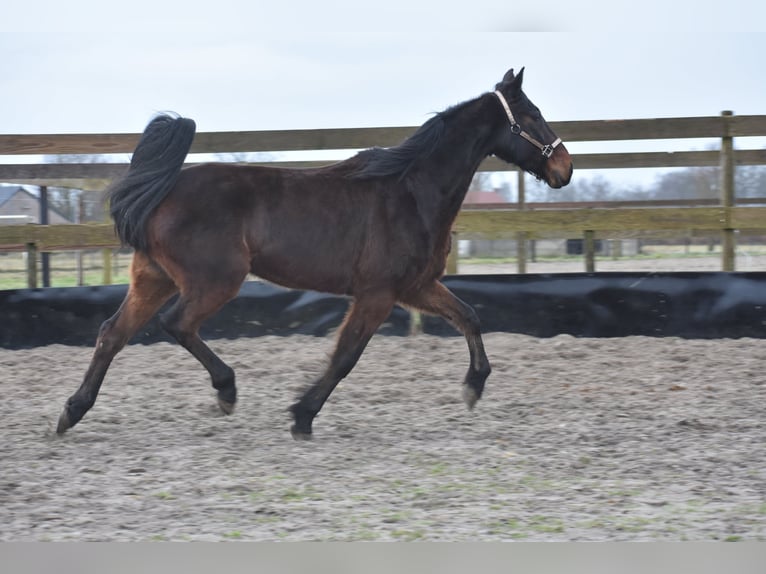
x=575, y=439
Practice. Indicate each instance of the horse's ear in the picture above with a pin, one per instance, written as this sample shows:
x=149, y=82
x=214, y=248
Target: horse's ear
x=516, y=83
x=512, y=81
x=508, y=78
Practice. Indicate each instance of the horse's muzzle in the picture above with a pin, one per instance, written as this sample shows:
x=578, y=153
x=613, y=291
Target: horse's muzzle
x=558, y=168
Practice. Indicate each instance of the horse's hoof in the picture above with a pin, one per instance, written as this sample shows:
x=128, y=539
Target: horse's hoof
x=64, y=423
x=300, y=434
x=302, y=421
x=469, y=396
x=226, y=407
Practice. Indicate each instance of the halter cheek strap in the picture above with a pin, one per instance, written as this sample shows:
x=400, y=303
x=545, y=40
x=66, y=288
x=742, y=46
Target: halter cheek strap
x=547, y=150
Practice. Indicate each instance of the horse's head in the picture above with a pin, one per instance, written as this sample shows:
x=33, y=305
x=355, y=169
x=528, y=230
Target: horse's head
x=525, y=138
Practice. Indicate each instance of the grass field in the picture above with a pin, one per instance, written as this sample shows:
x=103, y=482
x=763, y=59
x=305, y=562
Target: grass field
x=63, y=266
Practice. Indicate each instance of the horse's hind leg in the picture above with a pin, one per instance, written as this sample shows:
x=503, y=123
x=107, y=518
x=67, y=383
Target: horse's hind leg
x=437, y=299
x=149, y=289
x=183, y=321
x=363, y=319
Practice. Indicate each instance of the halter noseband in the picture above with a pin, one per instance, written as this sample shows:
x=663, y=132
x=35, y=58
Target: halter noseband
x=547, y=150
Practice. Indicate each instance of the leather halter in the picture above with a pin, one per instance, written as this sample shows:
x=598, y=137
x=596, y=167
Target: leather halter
x=547, y=150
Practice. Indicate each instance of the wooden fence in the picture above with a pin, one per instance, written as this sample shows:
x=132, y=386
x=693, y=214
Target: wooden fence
x=520, y=220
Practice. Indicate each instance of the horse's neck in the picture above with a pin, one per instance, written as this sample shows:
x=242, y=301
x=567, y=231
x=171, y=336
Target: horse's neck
x=442, y=180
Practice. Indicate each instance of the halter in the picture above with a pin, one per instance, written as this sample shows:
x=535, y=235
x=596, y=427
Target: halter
x=516, y=129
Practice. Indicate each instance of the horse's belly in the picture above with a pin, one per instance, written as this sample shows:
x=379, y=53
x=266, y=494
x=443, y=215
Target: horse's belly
x=300, y=272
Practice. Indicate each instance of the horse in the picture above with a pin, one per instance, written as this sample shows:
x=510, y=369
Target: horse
x=374, y=227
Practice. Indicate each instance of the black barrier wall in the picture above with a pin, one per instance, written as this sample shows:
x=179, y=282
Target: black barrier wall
x=691, y=305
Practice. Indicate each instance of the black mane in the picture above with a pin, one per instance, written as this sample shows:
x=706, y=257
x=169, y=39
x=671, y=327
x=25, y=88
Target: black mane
x=382, y=162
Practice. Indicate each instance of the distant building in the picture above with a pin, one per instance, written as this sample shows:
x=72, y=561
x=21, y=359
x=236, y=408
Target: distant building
x=18, y=206
x=476, y=196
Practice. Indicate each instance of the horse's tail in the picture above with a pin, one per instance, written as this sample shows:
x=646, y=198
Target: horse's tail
x=154, y=169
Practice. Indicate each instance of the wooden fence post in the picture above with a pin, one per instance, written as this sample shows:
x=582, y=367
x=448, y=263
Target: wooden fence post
x=616, y=248
x=31, y=266
x=106, y=255
x=589, y=251
x=45, y=257
x=727, y=193
x=78, y=253
x=521, y=237
x=452, y=255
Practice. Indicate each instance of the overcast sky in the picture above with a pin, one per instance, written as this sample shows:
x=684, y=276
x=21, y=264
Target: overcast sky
x=80, y=66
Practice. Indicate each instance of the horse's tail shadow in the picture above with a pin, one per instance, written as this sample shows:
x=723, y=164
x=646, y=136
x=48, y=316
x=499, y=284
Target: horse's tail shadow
x=154, y=169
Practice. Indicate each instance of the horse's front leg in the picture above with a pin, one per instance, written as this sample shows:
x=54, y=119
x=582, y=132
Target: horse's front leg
x=436, y=299
x=363, y=319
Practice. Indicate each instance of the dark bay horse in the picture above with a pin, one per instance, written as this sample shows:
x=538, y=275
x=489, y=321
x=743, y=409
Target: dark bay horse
x=375, y=227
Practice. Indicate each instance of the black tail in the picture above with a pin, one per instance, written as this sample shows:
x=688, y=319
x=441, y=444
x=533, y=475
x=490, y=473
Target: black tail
x=153, y=171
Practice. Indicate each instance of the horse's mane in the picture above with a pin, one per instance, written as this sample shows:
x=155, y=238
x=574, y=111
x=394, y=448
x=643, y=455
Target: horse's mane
x=397, y=161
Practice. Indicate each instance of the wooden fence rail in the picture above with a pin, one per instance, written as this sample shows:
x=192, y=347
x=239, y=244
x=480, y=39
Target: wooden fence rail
x=520, y=220
x=95, y=175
